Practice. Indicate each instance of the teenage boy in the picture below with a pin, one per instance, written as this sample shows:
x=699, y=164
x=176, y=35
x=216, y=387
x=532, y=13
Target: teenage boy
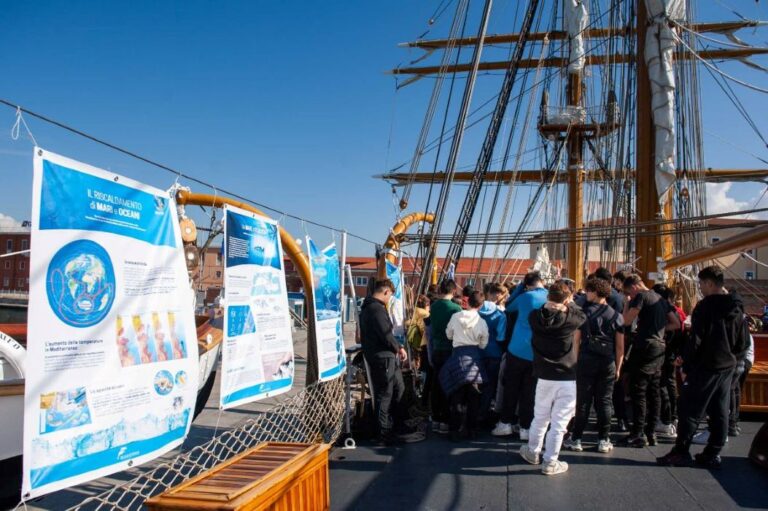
x=555, y=342
x=601, y=355
x=667, y=425
x=517, y=380
x=720, y=337
x=440, y=313
x=654, y=316
x=492, y=313
x=381, y=350
x=463, y=373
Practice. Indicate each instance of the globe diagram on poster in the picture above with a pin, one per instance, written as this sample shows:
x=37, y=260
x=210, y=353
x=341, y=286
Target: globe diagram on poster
x=80, y=283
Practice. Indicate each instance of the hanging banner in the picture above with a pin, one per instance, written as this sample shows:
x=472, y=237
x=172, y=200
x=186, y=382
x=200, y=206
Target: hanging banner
x=396, y=303
x=326, y=289
x=257, y=360
x=111, y=368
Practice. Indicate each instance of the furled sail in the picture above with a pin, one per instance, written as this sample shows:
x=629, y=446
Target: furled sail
x=576, y=19
x=660, y=42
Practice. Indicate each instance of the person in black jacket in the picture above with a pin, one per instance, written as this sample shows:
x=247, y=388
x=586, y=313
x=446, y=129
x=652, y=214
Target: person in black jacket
x=381, y=350
x=555, y=343
x=719, y=337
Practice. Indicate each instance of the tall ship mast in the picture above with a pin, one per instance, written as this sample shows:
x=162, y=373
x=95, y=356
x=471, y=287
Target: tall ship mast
x=597, y=117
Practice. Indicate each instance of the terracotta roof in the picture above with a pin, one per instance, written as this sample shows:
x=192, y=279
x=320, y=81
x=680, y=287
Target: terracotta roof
x=735, y=221
x=466, y=266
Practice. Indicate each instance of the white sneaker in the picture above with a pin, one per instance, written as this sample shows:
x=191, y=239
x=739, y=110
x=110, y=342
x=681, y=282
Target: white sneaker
x=524, y=435
x=528, y=455
x=554, y=467
x=502, y=429
x=701, y=438
x=573, y=445
x=604, y=446
x=666, y=430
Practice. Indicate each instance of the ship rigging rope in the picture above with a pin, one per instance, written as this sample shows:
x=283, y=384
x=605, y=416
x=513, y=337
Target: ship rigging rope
x=434, y=143
x=718, y=70
x=640, y=225
x=459, y=22
x=175, y=172
x=748, y=256
x=466, y=215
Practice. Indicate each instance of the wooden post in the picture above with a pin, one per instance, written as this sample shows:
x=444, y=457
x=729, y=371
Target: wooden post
x=575, y=257
x=647, y=240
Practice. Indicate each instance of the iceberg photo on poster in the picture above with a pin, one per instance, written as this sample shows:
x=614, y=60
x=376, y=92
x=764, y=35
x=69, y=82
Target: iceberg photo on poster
x=326, y=290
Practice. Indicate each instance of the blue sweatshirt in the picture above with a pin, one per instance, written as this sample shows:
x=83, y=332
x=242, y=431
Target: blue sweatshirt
x=497, y=327
x=520, y=345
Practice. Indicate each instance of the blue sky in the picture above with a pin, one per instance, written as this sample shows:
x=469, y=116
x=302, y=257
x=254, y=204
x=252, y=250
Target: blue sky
x=286, y=102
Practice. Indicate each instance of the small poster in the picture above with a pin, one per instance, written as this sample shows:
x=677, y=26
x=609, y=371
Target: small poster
x=257, y=359
x=112, y=367
x=396, y=303
x=326, y=290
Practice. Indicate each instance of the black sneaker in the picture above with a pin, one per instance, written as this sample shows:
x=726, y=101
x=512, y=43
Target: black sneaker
x=621, y=426
x=636, y=441
x=734, y=431
x=675, y=459
x=652, y=440
x=709, y=461
x=388, y=440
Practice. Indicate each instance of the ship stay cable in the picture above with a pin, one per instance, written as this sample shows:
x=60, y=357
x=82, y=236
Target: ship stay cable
x=443, y=132
x=486, y=152
x=508, y=149
x=461, y=13
x=453, y=153
x=175, y=172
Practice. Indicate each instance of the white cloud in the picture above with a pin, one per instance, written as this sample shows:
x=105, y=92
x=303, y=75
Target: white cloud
x=7, y=222
x=718, y=200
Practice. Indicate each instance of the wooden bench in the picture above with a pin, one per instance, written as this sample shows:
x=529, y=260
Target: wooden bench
x=271, y=476
x=754, y=397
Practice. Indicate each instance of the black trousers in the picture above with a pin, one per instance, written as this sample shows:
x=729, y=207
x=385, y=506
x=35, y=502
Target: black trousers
x=519, y=390
x=427, y=369
x=440, y=412
x=619, y=403
x=646, y=402
x=595, y=378
x=388, y=388
x=739, y=377
x=668, y=392
x=465, y=405
x=704, y=392
x=489, y=388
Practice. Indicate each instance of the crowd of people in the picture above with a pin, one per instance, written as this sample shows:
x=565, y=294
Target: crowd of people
x=532, y=361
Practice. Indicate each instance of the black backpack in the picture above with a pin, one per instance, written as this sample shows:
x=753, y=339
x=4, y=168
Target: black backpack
x=595, y=344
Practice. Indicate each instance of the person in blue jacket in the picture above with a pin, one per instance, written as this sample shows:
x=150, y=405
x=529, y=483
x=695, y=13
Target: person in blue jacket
x=492, y=313
x=517, y=380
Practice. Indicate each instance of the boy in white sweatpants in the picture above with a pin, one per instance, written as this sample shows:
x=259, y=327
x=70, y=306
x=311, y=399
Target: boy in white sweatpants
x=555, y=343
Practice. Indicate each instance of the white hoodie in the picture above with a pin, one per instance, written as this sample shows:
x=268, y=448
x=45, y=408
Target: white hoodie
x=467, y=328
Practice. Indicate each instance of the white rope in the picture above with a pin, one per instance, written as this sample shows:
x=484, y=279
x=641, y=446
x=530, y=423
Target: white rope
x=745, y=254
x=711, y=39
x=718, y=71
x=17, y=126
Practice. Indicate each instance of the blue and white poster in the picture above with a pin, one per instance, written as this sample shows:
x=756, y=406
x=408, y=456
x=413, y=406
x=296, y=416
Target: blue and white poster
x=111, y=368
x=397, y=303
x=326, y=290
x=257, y=359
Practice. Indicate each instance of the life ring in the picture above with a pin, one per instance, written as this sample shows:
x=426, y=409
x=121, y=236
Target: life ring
x=14, y=353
